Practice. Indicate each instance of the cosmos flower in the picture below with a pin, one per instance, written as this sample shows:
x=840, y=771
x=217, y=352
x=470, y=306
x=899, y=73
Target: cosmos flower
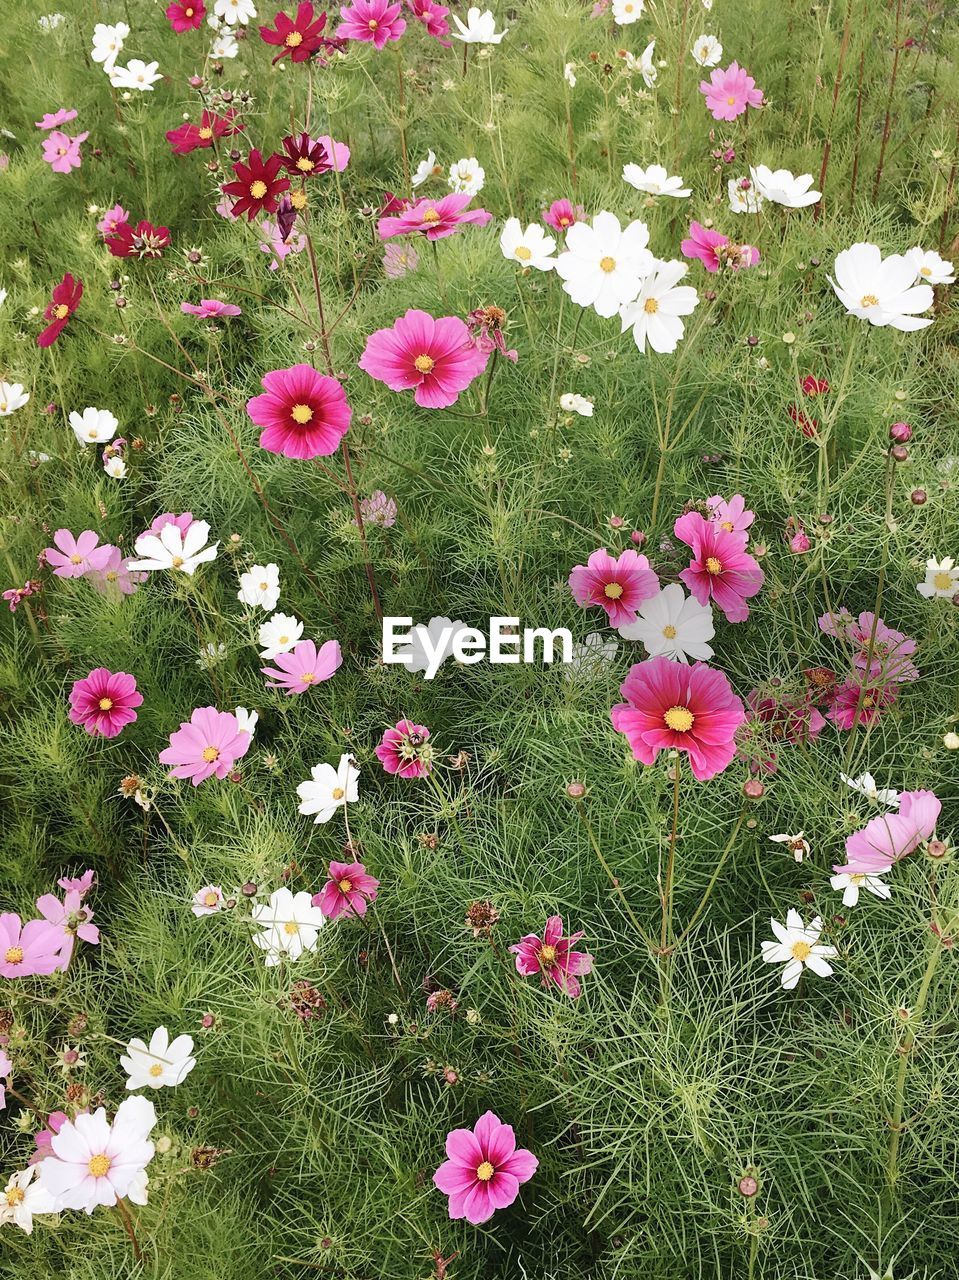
x=189, y=137
x=433, y=17
x=485, y=1169
x=434, y=219
x=852, y=883
x=467, y=176
x=289, y=924
x=108, y=43
x=54, y=119
x=618, y=585
x=530, y=248
x=479, y=28
x=93, y=426
x=733, y=516
x=260, y=587
x=64, y=301
x=673, y=625
x=561, y=215
x=141, y=241
x=865, y=785
x=305, y=157
x=73, y=557
x=104, y=702
x=626, y=12
x=206, y=745
x=297, y=38
x=654, y=180
x=797, y=946
x=720, y=570
x=435, y=357
x=706, y=51
x=207, y=901
x=655, y=315
x=881, y=290
x=93, y=1162
x=373, y=21
x=604, y=264
x=175, y=549
x=348, y=892
x=729, y=92
x=185, y=15
x=930, y=267
x=12, y=398
x=257, y=186
x=890, y=837
x=743, y=196
x=573, y=403
x=329, y=789
x=279, y=634
x=553, y=958
x=304, y=414
x=781, y=187
x=62, y=152
x=22, y=1197
x=137, y=74
x=304, y=666
x=942, y=579
x=406, y=750
x=161, y=1064
x=28, y=950
x=210, y=309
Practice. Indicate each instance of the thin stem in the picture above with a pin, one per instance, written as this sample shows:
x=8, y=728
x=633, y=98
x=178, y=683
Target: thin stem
x=127, y=1220
x=358, y=516
x=666, y=891
x=712, y=882
x=613, y=879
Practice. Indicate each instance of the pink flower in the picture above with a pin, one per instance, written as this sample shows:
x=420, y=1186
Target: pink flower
x=183, y=522
x=210, y=309
x=304, y=667
x=73, y=557
x=561, y=215
x=892, y=836
x=304, y=414
x=551, y=956
x=53, y=119
x=786, y=717
x=6, y=1072
x=378, y=509
x=399, y=260
x=348, y=891
x=619, y=586
x=720, y=569
x=406, y=750
x=271, y=241
x=672, y=706
x=114, y=575
x=733, y=516
x=729, y=92
x=871, y=699
x=338, y=152
x=30, y=949
x=209, y=743
x=298, y=37
x=704, y=244
x=375, y=21
x=434, y=219
x=112, y=220
x=891, y=649
x=72, y=918
x=436, y=357
x=185, y=15
x=78, y=884
x=61, y=152
x=799, y=543
x=484, y=1171
x=103, y=702
x=64, y=301
x=433, y=18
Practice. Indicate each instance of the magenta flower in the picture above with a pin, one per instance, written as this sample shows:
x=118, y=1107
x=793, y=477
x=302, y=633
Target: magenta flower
x=433, y=18
x=721, y=569
x=61, y=152
x=729, y=92
x=436, y=357
x=870, y=698
x=672, y=706
x=185, y=15
x=30, y=949
x=209, y=743
x=112, y=220
x=561, y=215
x=115, y=575
x=484, y=1171
x=733, y=516
x=304, y=667
x=406, y=750
x=73, y=557
x=304, y=414
x=210, y=309
x=72, y=918
x=54, y=119
x=375, y=21
x=79, y=884
x=63, y=303
x=347, y=892
x=704, y=243
x=434, y=219
x=619, y=586
x=103, y=702
x=892, y=836
x=552, y=957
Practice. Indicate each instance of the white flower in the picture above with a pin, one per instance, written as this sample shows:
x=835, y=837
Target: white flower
x=480, y=28
x=329, y=789
x=49, y=21
x=279, y=634
x=627, y=11
x=865, y=784
x=530, y=248
x=573, y=403
x=743, y=199
x=798, y=948
x=22, y=1197
x=851, y=885
x=595, y=652
x=115, y=467
x=207, y=901
x=930, y=268
x=426, y=169
x=467, y=176
x=246, y=720
x=781, y=187
x=162, y=1063
x=707, y=51
x=94, y=1162
x=107, y=43
x=260, y=586
x=655, y=315
x=234, y=11
x=798, y=844
x=93, y=426
x=173, y=549
x=12, y=398
x=3, y=296
x=225, y=45
x=654, y=180
x=942, y=578
x=137, y=74
x=644, y=64
x=290, y=925
x=603, y=265
x=569, y=74
x=426, y=647
x=672, y=625
x=881, y=290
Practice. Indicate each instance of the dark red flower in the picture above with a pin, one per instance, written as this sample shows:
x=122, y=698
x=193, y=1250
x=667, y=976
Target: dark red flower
x=142, y=241
x=258, y=187
x=814, y=386
x=393, y=204
x=192, y=137
x=185, y=15
x=63, y=302
x=808, y=426
x=300, y=37
x=305, y=157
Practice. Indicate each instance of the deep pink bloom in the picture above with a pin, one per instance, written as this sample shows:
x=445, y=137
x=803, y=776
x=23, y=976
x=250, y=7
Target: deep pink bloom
x=305, y=157
x=672, y=706
x=733, y=516
x=258, y=185
x=338, y=152
x=704, y=243
x=484, y=1171
x=30, y=949
x=433, y=18
x=436, y=357
x=185, y=15
x=617, y=585
x=210, y=309
x=43, y=1138
x=348, y=891
x=892, y=836
x=209, y=743
x=871, y=698
x=375, y=21
x=799, y=542
x=721, y=569
x=103, y=702
x=61, y=152
x=112, y=219
x=298, y=37
x=72, y=918
x=729, y=92
x=141, y=241
x=73, y=557
x=304, y=667
x=189, y=137
x=406, y=750
x=561, y=215
x=304, y=414
x=552, y=957
x=63, y=302
x=54, y=119
x=434, y=219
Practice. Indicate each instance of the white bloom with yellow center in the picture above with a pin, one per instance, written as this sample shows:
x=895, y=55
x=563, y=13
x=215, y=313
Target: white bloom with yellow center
x=881, y=290
x=780, y=186
x=207, y=901
x=865, y=784
x=743, y=199
x=425, y=170
x=529, y=248
x=12, y=398
x=604, y=264
x=655, y=181
x=93, y=426
x=479, y=28
x=852, y=884
x=930, y=267
x=330, y=789
x=289, y=925
x=707, y=51
x=573, y=403
x=23, y=1197
x=673, y=625
x=279, y=634
x=942, y=579
x=798, y=948
x=467, y=176
x=108, y=43
x=137, y=74
x=260, y=586
x=160, y=1064
x=654, y=317
x=172, y=549
x=626, y=12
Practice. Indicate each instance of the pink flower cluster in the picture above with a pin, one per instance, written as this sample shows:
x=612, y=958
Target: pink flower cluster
x=39, y=947
x=881, y=661
x=85, y=556
x=61, y=150
x=887, y=839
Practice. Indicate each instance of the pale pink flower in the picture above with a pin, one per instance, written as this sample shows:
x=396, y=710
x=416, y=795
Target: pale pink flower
x=207, y=744
x=304, y=667
x=73, y=557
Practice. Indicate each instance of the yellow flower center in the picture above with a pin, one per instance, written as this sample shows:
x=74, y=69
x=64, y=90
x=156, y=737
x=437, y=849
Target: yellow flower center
x=284, y=639
x=305, y=164
x=206, y=134
x=612, y=590
x=485, y=1171
x=258, y=189
x=679, y=719
x=298, y=199
x=211, y=899
x=111, y=575
x=800, y=950
x=15, y=1196
x=156, y=1071
x=301, y=413
x=345, y=886
x=869, y=300
x=942, y=581
x=210, y=754
x=373, y=24
x=188, y=13
x=424, y=363
x=713, y=565
x=76, y=559
x=669, y=631
x=308, y=677
x=264, y=585
x=523, y=253
x=291, y=928
x=293, y=39
x=607, y=265
x=651, y=306
x=61, y=311
x=727, y=525
x=337, y=793
x=105, y=704
x=430, y=215
x=177, y=562
x=731, y=100
x=547, y=955
x=925, y=271
x=99, y=1166
x=14, y=955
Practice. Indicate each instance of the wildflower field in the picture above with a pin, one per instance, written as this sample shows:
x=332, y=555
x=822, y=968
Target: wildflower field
x=479, y=682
